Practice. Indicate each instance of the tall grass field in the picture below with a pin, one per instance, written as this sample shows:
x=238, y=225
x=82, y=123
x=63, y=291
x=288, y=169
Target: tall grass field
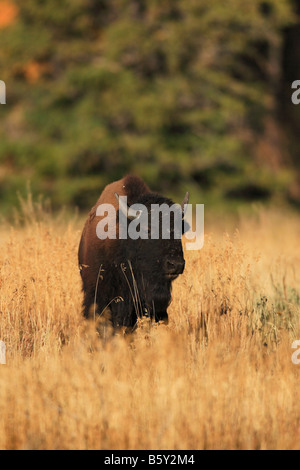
x=220, y=375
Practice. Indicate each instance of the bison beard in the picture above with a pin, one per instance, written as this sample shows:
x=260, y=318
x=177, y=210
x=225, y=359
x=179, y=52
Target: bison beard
x=129, y=278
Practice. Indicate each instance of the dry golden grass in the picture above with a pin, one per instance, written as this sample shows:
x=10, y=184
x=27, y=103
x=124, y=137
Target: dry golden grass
x=219, y=376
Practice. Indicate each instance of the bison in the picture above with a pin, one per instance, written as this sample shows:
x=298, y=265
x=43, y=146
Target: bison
x=128, y=277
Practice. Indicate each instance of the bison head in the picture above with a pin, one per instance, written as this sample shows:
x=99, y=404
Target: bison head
x=151, y=248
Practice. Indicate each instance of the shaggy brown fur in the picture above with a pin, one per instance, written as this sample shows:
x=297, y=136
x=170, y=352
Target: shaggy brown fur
x=131, y=277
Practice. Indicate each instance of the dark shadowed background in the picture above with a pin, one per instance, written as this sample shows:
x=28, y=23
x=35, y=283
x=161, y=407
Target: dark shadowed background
x=188, y=94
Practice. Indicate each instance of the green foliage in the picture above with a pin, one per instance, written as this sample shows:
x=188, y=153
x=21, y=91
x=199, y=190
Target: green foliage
x=168, y=89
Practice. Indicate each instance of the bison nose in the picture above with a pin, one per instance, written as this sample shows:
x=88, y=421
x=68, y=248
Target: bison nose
x=174, y=266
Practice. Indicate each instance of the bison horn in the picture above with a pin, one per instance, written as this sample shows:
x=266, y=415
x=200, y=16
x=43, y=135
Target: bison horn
x=125, y=209
x=184, y=203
